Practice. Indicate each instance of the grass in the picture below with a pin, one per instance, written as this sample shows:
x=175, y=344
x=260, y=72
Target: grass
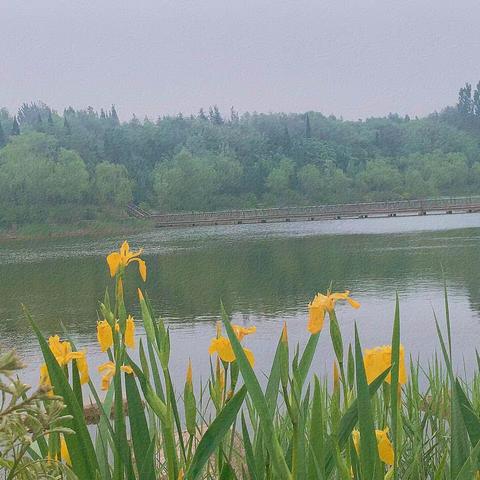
x=298, y=427
x=83, y=228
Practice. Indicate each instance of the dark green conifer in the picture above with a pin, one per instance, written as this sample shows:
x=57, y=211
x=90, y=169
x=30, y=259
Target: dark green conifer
x=15, y=126
x=114, y=116
x=66, y=125
x=3, y=139
x=308, y=129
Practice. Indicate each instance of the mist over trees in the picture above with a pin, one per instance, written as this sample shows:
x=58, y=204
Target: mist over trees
x=81, y=164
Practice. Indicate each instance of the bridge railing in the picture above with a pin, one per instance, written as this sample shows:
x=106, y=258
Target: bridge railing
x=321, y=210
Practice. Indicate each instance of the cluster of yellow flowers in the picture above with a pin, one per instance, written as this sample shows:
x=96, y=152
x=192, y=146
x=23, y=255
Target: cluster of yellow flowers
x=62, y=352
x=376, y=360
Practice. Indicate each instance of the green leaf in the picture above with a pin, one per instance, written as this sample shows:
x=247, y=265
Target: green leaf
x=349, y=419
x=214, y=434
x=369, y=460
x=307, y=358
x=459, y=443
x=394, y=385
x=259, y=402
x=249, y=456
x=271, y=392
x=470, y=418
x=316, y=463
x=138, y=427
x=80, y=446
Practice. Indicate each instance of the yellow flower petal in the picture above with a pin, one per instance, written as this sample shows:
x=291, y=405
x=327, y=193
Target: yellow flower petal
x=385, y=448
x=127, y=369
x=142, y=268
x=64, y=451
x=130, y=333
x=316, y=316
x=241, y=332
x=82, y=366
x=223, y=348
x=250, y=356
x=114, y=261
x=378, y=359
x=109, y=369
x=104, y=335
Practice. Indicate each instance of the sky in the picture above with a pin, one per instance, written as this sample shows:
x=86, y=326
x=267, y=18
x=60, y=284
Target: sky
x=355, y=59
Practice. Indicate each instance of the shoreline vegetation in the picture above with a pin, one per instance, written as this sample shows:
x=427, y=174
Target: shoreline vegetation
x=83, y=228
x=75, y=165
x=376, y=417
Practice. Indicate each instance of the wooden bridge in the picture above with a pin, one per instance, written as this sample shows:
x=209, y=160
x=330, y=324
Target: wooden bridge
x=313, y=213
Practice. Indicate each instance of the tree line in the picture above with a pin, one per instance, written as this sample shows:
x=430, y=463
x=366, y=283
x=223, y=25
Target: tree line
x=83, y=164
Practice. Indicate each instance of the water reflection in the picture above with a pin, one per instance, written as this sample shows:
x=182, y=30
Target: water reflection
x=263, y=274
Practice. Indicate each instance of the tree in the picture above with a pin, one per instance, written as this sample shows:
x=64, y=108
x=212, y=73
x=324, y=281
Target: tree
x=215, y=116
x=234, y=117
x=3, y=140
x=112, y=185
x=311, y=182
x=66, y=125
x=308, y=129
x=476, y=101
x=39, y=179
x=279, y=179
x=15, y=127
x=185, y=183
x=114, y=117
x=49, y=118
x=465, y=105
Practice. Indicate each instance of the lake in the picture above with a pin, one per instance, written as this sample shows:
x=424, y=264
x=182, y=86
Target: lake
x=264, y=274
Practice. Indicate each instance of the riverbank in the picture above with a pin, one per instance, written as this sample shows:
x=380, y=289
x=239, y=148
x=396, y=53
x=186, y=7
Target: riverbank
x=84, y=228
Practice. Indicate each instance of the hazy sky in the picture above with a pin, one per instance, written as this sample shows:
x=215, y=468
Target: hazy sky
x=353, y=58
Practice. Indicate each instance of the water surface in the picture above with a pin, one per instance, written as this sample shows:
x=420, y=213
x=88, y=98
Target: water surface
x=264, y=274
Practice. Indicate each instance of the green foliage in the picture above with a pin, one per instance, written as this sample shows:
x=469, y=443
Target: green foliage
x=112, y=185
x=294, y=428
x=28, y=419
x=209, y=162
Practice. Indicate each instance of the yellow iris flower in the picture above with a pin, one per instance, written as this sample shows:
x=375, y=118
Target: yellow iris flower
x=130, y=332
x=62, y=351
x=378, y=359
x=108, y=370
x=118, y=261
x=223, y=348
x=385, y=448
x=104, y=335
x=325, y=303
x=82, y=366
x=241, y=332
